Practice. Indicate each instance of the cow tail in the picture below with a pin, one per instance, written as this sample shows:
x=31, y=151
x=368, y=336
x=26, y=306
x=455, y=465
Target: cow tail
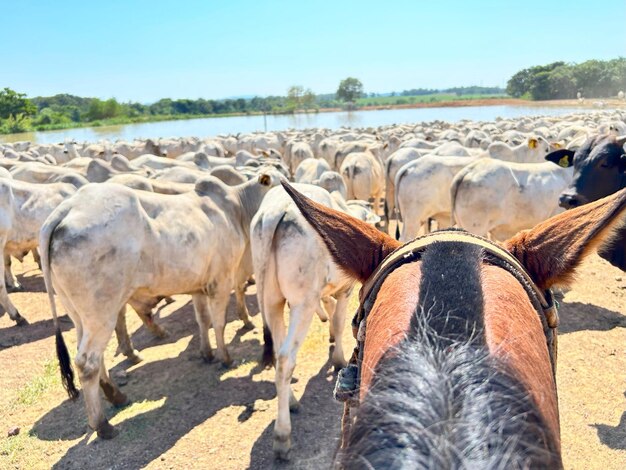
x=454, y=189
x=396, y=207
x=45, y=239
x=263, y=232
x=388, y=193
x=347, y=178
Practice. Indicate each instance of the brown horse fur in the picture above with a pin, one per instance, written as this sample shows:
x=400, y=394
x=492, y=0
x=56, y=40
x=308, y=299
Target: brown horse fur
x=513, y=336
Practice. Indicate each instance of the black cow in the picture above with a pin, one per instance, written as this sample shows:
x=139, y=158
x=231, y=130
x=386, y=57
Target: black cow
x=599, y=170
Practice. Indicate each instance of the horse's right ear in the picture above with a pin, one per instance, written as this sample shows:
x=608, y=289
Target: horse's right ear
x=357, y=247
x=552, y=250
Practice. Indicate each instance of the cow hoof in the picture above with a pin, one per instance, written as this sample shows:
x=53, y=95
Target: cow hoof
x=248, y=326
x=268, y=361
x=331, y=339
x=134, y=357
x=294, y=404
x=169, y=300
x=21, y=321
x=120, y=400
x=227, y=363
x=281, y=447
x=207, y=357
x=16, y=288
x=106, y=431
x=161, y=333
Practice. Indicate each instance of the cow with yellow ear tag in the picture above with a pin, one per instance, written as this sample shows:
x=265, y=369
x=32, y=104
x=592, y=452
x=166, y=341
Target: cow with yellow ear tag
x=533, y=150
x=599, y=170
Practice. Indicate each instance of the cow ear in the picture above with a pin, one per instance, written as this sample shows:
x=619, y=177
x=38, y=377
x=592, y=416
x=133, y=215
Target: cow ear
x=562, y=157
x=552, y=250
x=357, y=247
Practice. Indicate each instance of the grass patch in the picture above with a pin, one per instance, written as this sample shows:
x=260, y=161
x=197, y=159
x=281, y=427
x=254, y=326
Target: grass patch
x=10, y=446
x=22, y=451
x=432, y=98
x=33, y=390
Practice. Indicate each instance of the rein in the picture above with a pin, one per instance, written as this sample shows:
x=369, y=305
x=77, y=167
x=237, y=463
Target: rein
x=347, y=387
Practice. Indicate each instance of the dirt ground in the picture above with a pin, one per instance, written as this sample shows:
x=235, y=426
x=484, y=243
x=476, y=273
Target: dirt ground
x=189, y=414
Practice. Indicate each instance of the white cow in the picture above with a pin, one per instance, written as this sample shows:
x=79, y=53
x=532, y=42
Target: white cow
x=393, y=164
x=296, y=154
x=332, y=181
x=291, y=264
x=423, y=192
x=36, y=172
x=161, y=163
x=23, y=209
x=533, y=150
x=310, y=170
x=364, y=177
x=110, y=245
x=502, y=198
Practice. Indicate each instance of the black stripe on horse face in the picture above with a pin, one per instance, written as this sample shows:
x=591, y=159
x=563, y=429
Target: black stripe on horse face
x=451, y=296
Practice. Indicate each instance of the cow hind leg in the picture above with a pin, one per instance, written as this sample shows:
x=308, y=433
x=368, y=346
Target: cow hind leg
x=6, y=303
x=299, y=322
x=339, y=322
x=329, y=305
x=123, y=339
x=89, y=362
x=110, y=389
x=242, y=308
x=217, y=309
x=10, y=280
x=273, y=327
x=36, y=257
x=203, y=318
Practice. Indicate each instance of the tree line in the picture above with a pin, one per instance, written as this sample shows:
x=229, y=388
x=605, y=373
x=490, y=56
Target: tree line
x=561, y=80
x=558, y=80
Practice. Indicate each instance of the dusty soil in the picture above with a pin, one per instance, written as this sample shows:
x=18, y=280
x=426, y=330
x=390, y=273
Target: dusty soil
x=189, y=414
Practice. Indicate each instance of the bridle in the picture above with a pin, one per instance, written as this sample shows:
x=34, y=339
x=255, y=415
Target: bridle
x=347, y=387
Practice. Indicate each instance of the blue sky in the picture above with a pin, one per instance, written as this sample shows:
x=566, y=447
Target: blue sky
x=146, y=50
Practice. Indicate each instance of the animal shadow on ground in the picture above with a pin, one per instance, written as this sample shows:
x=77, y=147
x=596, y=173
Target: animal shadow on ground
x=577, y=316
x=19, y=335
x=613, y=436
x=178, y=394
x=32, y=281
x=181, y=322
x=315, y=428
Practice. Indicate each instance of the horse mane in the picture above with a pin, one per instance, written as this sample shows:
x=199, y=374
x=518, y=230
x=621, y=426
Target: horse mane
x=438, y=399
x=436, y=405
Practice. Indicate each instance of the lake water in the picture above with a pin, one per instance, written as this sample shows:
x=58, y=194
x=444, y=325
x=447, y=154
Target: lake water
x=213, y=126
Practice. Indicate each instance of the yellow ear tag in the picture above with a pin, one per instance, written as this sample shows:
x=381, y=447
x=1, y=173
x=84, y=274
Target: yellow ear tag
x=564, y=161
x=532, y=143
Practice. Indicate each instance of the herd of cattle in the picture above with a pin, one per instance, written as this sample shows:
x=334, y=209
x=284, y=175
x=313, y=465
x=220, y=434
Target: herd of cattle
x=133, y=223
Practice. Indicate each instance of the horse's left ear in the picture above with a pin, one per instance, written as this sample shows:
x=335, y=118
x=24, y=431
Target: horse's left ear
x=552, y=250
x=357, y=247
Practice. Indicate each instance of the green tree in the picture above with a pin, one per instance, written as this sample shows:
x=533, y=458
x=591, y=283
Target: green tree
x=308, y=99
x=562, y=83
x=294, y=97
x=350, y=89
x=111, y=108
x=13, y=103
